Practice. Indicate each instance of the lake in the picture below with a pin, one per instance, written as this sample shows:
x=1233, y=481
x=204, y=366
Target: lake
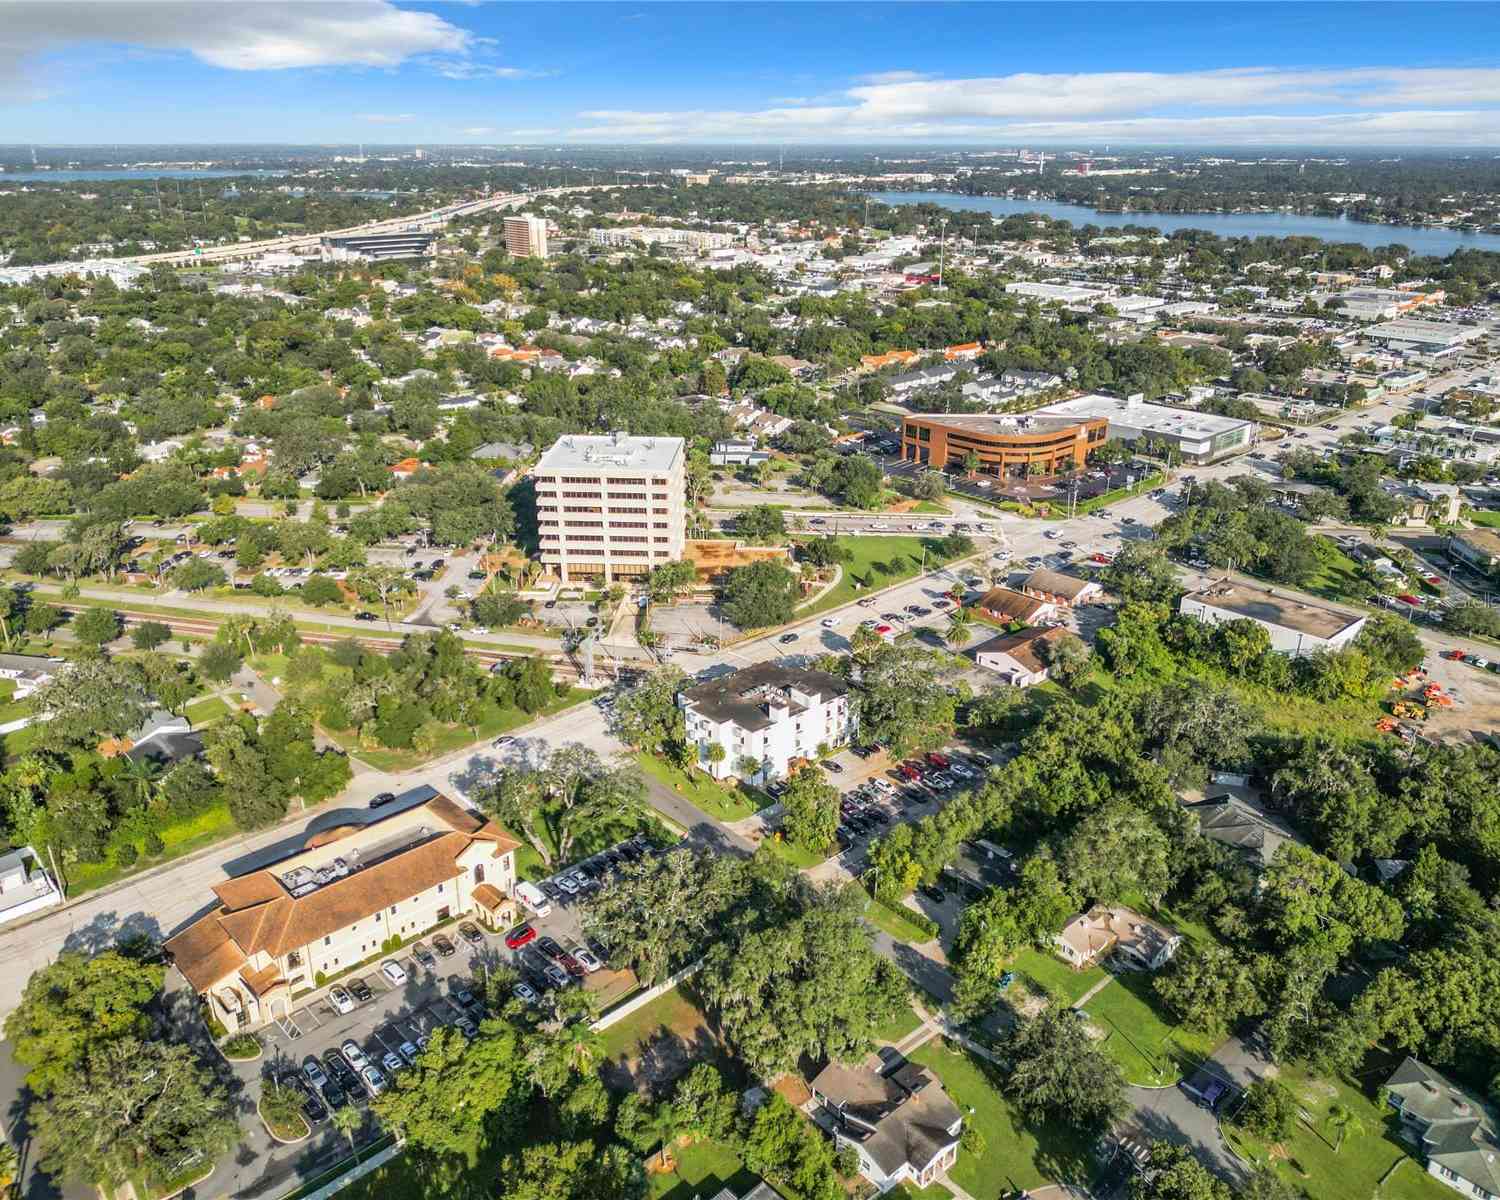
x=103, y=176
x=1419, y=239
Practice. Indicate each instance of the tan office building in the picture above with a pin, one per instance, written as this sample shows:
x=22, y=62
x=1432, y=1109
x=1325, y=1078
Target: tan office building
x=278, y=935
x=526, y=237
x=611, y=507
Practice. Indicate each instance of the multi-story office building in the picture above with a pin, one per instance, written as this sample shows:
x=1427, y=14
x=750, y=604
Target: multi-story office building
x=1005, y=446
x=767, y=714
x=526, y=237
x=377, y=247
x=1195, y=437
x=611, y=507
x=278, y=935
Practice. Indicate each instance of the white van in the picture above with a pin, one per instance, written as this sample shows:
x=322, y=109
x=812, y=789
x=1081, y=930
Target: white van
x=531, y=896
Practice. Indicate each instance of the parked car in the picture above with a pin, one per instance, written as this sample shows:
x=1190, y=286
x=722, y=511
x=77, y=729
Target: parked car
x=382, y=799
x=313, y=1070
x=585, y=958
x=392, y=1062
x=394, y=972
x=549, y=947
x=409, y=1052
x=353, y=1055
x=786, y=639
x=520, y=936
x=361, y=991
x=525, y=994
x=443, y=946
x=470, y=933
x=373, y=1080
x=467, y=1028
x=423, y=955
x=341, y=1073
x=342, y=1001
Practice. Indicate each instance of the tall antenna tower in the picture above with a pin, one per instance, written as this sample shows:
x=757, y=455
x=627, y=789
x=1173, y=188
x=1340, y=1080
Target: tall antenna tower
x=33, y=156
x=780, y=159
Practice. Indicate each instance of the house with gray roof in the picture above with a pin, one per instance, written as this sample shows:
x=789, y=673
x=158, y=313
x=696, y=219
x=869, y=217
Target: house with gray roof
x=1233, y=818
x=900, y=1121
x=1454, y=1130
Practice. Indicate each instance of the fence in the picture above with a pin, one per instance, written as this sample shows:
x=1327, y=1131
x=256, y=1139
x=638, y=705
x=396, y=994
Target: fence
x=356, y=1171
x=640, y=1000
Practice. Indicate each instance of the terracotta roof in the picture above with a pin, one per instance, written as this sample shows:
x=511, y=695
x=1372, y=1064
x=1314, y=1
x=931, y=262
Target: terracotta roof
x=1025, y=647
x=489, y=897
x=1002, y=601
x=205, y=953
x=261, y=982
x=329, y=836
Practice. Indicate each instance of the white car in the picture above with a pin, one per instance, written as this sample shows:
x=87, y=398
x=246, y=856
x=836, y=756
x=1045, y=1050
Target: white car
x=374, y=1081
x=394, y=972
x=392, y=1063
x=586, y=958
x=829, y=622
x=566, y=884
x=341, y=1000
x=410, y=1053
x=526, y=994
x=354, y=1055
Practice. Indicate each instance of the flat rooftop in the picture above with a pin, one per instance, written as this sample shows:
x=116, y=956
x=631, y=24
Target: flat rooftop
x=1486, y=541
x=1411, y=330
x=617, y=451
x=745, y=696
x=1153, y=418
x=996, y=424
x=1268, y=605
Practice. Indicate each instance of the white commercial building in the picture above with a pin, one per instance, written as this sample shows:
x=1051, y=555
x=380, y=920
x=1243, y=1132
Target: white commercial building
x=1189, y=436
x=769, y=714
x=1297, y=626
x=526, y=237
x=610, y=507
x=1421, y=337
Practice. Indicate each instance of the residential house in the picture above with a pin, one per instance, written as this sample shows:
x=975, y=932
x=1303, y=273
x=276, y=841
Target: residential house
x=1006, y=605
x=25, y=886
x=28, y=672
x=1233, y=817
x=507, y=451
x=1139, y=941
x=891, y=358
x=901, y=1122
x=1020, y=659
x=963, y=352
x=1061, y=589
x=769, y=714
x=1455, y=1130
x=276, y=935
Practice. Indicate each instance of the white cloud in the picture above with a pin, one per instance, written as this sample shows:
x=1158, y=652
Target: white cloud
x=879, y=77
x=235, y=35
x=385, y=118
x=466, y=68
x=1354, y=106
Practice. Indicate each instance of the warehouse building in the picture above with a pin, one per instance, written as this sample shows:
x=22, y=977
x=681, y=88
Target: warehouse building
x=1297, y=626
x=1422, y=337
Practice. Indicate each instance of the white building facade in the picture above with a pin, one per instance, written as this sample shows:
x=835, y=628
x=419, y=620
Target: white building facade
x=767, y=713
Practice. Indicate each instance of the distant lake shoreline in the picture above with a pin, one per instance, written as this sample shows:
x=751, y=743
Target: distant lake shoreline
x=113, y=176
x=1420, y=239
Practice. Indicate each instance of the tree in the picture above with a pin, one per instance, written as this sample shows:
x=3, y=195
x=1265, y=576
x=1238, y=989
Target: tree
x=810, y=809
x=496, y=609
x=514, y=798
x=133, y=1106
x=571, y=1171
x=906, y=699
x=1208, y=987
x=321, y=589
x=646, y=716
x=960, y=627
x=1002, y=922
x=148, y=635
x=89, y=701
x=1173, y=1173
x=461, y=1095
x=73, y=1004
x=348, y=1120
x=219, y=661
x=646, y=1126
x=197, y=574
x=705, y=1105
x=96, y=626
x=1269, y=1110
x=1068, y=659
x=760, y=594
x=788, y=1150
x=382, y=582
x=1141, y=571
x=42, y=618
x=763, y=523
x=669, y=580
x=1343, y=1120
x=1056, y=1072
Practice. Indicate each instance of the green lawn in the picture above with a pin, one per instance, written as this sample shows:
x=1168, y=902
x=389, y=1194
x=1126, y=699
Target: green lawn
x=14, y=710
x=889, y=918
x=702, y=1168
x=723, y=802
x=798, y=856
x=1017, y=1156
x=900, y=1027
x=672, y=1012
x=1485, y=518
x=1311, y=1163
x=935, y=1191
x=1051, y=975
x=1150, y=1048
x=882, y=560
x=203, y=712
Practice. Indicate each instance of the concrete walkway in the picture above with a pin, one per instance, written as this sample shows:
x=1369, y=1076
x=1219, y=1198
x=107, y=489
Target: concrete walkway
x=1093, y=991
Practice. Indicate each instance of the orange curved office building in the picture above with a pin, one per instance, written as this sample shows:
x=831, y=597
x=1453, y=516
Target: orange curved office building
x=1007, y=446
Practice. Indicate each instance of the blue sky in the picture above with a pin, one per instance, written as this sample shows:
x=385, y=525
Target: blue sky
x=311, y=71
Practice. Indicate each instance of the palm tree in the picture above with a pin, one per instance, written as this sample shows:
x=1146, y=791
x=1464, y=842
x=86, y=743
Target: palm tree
x=664, y=1123
x=143, y=773
x=585, y=1044
x=1344, y=1121
x=347, y=1120
x=960, y=626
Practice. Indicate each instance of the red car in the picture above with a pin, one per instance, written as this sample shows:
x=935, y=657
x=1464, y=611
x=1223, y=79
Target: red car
x=519, y=936
x=1406, y=599
x=940, y=761
x=908, y=772
x=1454, y=655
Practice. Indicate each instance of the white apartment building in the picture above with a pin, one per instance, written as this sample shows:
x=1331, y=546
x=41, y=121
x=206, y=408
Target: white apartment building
x=611, y=507
x=278, y=935
x=769, y=713
x=525, y=237
x=646, y=235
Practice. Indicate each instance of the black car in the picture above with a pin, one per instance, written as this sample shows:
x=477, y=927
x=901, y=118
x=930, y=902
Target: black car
x=365, y=616
x=444, y=947
x=786, y=639
x=476, y=574
x=550, y=604
x=470, y=933
x=360, y=990
x=553, y=892
x=933, y=892
x=381, y=799
x=333, y=1096
x=340, y=1072
x=550, y=948
x=423, y=955
x=312, y=1107
x=831, y=766
x=601, y=951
